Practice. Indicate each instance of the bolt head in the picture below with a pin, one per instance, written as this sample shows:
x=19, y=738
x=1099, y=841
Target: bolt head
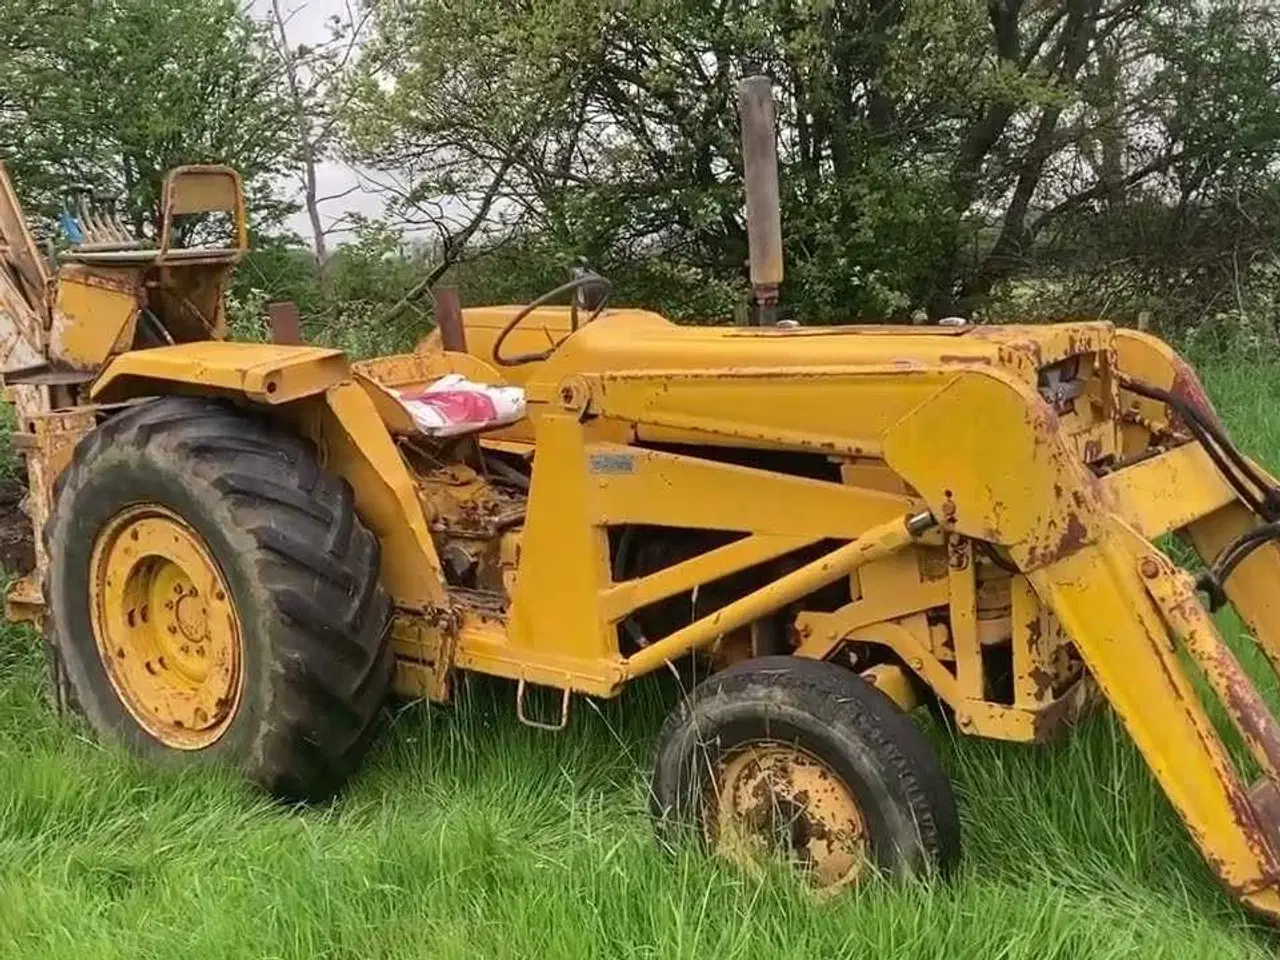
x=1150, y=569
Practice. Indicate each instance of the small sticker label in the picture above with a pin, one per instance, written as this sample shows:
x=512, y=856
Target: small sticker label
x=611, y=463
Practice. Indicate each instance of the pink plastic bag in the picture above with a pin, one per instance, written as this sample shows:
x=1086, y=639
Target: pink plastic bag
x=454, y=405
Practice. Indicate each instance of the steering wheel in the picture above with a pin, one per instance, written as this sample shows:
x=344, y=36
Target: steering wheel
x=586, y=279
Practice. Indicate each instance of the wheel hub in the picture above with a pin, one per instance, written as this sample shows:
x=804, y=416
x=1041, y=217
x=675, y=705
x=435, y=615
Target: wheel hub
x=774, y=799
x=165, y=626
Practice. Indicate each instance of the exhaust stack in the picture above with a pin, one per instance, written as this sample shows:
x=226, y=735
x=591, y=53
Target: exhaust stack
x=760, y=175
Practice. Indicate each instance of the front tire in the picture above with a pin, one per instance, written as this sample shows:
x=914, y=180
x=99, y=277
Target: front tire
x=803, y=758
x=213, y=597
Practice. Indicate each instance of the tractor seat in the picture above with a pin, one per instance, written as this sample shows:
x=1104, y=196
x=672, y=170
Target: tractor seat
x=149, y=256
x=101, y=238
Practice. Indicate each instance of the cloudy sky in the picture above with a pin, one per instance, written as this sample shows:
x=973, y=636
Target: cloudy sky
x=306, y=24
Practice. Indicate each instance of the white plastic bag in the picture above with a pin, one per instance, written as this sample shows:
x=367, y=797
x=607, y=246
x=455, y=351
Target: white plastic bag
x=454, y=405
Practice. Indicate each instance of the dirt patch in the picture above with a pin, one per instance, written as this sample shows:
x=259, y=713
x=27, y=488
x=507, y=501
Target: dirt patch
x=17, y=550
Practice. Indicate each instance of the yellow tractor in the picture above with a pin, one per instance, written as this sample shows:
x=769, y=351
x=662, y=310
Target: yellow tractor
x=246, y=547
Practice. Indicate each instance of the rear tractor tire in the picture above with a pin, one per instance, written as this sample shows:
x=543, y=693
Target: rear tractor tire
x=213, y=597
x=803, y=760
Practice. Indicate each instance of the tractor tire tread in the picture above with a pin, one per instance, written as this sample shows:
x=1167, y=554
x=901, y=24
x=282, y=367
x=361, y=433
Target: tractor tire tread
x=835, y=694
x=329, y=651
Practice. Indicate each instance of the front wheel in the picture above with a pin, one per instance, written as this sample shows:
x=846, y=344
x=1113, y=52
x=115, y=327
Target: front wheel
x=213, y=597
x=803, y=760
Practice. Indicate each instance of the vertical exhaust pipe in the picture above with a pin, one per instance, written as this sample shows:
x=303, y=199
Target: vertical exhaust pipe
x=764, y=209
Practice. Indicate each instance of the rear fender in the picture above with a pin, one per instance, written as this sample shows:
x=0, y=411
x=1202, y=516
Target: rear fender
x=264, y=373
x=312, y=390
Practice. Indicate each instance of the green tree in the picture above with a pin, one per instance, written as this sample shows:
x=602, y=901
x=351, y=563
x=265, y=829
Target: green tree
x=932, y=150
x=112, y=93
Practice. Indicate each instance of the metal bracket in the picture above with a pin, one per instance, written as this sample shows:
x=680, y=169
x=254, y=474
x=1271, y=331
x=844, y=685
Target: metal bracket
x=528, y=721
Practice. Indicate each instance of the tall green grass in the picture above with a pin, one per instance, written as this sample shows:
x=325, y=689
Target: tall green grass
x=467, y=835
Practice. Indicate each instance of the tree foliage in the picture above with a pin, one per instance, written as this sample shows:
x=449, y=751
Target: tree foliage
x=932, y=150
x=110, y=94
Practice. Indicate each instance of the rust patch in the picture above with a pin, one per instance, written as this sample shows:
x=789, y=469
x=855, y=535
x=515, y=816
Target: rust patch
x=1042, y=681
x=1187, y=386
x=1246, y=707
x=1264, y=799
x=1074, y=536
x=1251, y=718
x=948, y=508
x=1034, y=630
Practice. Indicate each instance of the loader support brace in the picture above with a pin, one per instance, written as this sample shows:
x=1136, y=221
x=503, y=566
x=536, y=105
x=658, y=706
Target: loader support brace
x=1128, y=609
x=877, y=542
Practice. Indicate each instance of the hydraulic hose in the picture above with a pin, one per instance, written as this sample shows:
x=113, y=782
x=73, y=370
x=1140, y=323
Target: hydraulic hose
x=1253, y=489
x=1260, y=496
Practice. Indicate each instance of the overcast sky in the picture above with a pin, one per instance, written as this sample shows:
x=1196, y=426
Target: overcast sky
x=306, y=24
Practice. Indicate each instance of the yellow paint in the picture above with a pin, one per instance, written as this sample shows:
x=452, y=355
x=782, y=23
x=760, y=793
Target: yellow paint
x=964, y=618
x=897, y=420
x=356, y=446
x=754, y=789
x=1252, y=588
x=891, y=680
x=166, y=627
x=1099, y=596
x=564, y=564
x=93, y=317
x=1188, y=470
x=204, y=188
x=626, y=485
x=262, y=372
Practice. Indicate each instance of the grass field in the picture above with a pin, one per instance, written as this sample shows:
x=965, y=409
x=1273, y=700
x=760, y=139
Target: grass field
x=470, y=836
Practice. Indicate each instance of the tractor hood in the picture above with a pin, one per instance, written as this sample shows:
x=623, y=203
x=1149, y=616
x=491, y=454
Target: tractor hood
x=1069, y=364
x=633, y=340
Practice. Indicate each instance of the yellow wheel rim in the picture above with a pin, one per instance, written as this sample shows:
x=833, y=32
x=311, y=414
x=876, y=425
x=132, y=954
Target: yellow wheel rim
x=774, y=800
x=166, y=627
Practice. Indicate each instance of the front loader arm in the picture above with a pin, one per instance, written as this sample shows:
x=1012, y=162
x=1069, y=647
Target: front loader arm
x=986, y=454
